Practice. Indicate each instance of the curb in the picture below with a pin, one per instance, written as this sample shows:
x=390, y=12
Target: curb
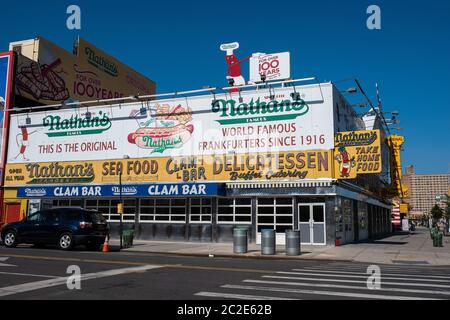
x=279, y=258
x=237, y=256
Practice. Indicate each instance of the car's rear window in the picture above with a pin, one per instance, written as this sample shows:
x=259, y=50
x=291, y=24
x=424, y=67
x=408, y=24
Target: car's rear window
x=95, y=217
x=72, y=215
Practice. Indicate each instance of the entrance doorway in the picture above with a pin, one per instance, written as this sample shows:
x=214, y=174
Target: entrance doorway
x=12, y=212
x=312, y=223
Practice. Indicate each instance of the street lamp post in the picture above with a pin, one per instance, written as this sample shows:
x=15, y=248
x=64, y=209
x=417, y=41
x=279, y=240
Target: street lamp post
x=120, y=209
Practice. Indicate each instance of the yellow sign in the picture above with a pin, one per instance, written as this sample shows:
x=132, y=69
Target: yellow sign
x=120, y=208
x=404, y=208
x=357, y=152
x=395, y=143
x=286, y=166
x=59, y=76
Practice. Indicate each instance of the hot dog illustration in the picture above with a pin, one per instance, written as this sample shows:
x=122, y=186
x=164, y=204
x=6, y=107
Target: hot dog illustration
x=163, y=138
x=346, y=164
x=234, y=65
x=22, y=141
x=169, y=129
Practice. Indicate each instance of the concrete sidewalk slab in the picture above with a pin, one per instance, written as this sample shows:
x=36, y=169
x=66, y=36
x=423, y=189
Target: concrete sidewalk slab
x=414, y=249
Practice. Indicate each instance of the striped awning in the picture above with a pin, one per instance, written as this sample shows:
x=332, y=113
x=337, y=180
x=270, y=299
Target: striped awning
x=279, y=184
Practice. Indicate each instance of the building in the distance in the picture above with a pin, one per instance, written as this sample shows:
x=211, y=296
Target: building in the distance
x=423, y=190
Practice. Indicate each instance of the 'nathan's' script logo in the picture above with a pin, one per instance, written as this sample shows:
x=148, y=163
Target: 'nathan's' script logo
x=353, y=139
x=258, y=111
x=76, y=125
x=101, y=63
x=55, y=173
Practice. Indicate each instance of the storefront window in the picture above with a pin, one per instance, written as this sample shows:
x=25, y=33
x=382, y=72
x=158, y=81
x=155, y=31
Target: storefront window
x=108, y=207
x=201, y=211
x=163, y=210
x=275, y=213
x=79, y=203
x=234, y=211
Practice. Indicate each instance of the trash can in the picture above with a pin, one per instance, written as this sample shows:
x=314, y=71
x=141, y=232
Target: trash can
x=127, y=237
x=439, y=240
x=292, y=243
x=240, y=240
x=268, y=242
x=434, y=237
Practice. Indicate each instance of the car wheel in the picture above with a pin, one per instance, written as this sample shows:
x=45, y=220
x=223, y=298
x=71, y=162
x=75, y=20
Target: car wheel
x=10, y=239
x=65, y=241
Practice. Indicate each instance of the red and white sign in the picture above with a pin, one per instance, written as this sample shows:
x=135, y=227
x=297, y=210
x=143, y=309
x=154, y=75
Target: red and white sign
x=276, y=66
x=396, y=218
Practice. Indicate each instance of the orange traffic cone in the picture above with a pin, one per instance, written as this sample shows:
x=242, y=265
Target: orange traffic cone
x=106, y=245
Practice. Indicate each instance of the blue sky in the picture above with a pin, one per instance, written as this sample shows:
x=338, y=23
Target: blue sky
x=176, y=43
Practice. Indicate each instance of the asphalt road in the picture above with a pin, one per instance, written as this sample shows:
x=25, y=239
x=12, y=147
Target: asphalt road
x=30, y=273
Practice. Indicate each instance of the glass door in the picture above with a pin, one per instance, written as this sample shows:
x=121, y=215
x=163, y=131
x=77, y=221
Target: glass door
x=312, y=223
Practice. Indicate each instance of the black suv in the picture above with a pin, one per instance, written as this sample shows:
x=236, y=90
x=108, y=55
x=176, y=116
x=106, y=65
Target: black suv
x=66, y=227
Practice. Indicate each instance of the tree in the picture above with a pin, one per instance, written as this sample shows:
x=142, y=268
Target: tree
x=446, y=212
x=446, y=215
x=437, y=213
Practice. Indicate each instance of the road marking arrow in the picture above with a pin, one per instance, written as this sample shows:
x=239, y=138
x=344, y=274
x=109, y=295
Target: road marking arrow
x=3, y=259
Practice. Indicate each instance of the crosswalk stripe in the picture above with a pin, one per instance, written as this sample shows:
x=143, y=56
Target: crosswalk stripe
x=238, y=296
x=316, y=285
x=324, y=293
x=38, y=285
x=384, y=274
x=348, y=275
x=357, y=281
x=383, y=266
x=411, y=268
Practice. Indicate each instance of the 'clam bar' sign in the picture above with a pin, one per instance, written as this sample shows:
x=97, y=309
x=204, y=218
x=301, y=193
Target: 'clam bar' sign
x=141, y=190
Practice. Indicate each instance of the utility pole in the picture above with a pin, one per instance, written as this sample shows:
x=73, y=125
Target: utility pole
x=120, y=208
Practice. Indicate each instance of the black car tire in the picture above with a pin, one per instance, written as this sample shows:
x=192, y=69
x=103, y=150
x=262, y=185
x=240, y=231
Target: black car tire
x=65, y=241
x=10, y=239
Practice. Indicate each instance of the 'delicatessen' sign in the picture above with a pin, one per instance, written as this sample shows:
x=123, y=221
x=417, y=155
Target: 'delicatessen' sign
x=357, y=152
x=285, y=166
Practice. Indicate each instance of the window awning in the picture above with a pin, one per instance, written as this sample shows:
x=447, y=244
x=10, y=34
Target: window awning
x=280, y=184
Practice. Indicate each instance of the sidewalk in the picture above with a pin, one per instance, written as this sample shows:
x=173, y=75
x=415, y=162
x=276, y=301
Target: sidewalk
x=412, y=249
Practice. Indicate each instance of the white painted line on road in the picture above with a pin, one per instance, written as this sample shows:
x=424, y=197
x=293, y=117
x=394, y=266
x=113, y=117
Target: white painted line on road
x=32, y=286
x=363, y=272
x=3, y=259
x=324, y=293
x=357, y=281
x=29, y=275
x=316, y=285
x=383, y=266
x=238, y=296
x=351, y=275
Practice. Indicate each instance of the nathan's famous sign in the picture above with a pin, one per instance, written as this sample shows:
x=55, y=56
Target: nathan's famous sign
x=56, y=75
x=246, y=123
x=76, y=125
x=231, y=112
x=285, y=166
x=357, y=152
